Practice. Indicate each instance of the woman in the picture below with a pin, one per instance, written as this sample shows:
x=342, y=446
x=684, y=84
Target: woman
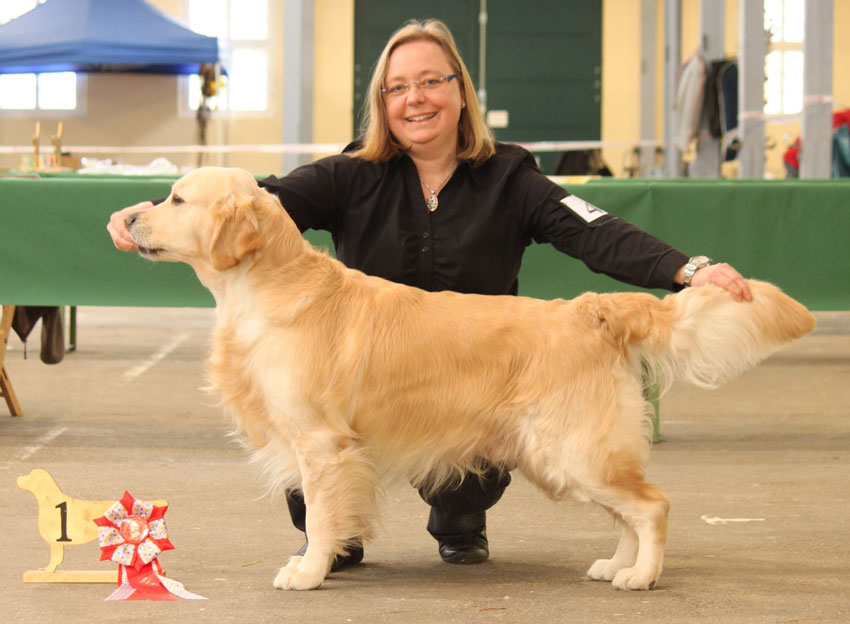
x=428, y=198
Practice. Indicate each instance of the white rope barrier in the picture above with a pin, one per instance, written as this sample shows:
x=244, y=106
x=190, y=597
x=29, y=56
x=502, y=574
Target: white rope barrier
x=571, y=146
x=297, y=148
x=300, y=148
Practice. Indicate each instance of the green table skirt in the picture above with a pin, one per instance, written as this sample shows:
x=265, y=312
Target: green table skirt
x=54, y=248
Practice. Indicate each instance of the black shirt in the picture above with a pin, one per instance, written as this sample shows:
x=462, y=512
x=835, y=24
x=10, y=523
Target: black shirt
x=474, y=241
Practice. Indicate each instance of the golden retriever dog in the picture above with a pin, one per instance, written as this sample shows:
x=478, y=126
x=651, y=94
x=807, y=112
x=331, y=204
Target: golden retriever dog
x=337, y=379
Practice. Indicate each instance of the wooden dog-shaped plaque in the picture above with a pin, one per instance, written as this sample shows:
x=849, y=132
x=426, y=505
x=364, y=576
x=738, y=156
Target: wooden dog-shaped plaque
x=65, y=521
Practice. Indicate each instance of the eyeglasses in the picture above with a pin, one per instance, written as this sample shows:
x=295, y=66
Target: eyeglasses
x=426, y=84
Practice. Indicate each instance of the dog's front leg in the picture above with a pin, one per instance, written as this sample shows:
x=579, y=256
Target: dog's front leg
x=338, y=482
x=306, y=571
x=309, y=570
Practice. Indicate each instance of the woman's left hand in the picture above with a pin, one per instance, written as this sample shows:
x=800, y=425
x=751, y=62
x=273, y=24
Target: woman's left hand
x=726, y=277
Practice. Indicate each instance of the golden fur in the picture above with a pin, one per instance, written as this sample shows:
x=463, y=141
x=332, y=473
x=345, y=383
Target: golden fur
x=338, y=378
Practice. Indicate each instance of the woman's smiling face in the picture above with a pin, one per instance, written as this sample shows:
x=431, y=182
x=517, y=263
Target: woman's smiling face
x=423, y=120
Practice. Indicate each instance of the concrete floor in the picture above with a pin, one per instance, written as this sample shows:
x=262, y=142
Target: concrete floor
x=758, y=473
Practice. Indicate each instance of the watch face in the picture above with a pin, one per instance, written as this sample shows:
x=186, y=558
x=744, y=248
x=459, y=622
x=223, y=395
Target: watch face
x=700, y=261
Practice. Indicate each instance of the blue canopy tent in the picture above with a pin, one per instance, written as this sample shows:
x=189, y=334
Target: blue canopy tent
x=102, y=35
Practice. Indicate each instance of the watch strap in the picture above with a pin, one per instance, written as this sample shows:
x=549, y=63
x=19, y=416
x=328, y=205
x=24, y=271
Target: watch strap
x=694, y=264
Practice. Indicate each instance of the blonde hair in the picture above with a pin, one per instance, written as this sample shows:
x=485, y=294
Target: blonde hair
x=475, y=140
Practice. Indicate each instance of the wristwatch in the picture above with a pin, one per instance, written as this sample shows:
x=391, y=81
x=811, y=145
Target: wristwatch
x=695, y=263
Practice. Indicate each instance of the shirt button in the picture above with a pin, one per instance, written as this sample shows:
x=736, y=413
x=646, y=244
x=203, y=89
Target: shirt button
x=426, y=234
x=426, y=249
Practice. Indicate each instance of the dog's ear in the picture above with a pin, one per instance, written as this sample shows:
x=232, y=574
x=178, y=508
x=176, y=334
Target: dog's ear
x=236, y=232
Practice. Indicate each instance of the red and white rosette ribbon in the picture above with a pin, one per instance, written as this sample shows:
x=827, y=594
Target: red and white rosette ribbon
x=132, y=533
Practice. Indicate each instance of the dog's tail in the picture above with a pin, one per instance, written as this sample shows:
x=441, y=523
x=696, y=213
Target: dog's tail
x=702, y=335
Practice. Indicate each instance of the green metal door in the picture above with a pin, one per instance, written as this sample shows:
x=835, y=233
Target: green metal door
x=543, y=61
x=376, y=20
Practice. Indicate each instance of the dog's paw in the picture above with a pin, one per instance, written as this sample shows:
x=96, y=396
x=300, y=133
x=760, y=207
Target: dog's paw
x=604, y=570
x=635, y=579
x=292, y=576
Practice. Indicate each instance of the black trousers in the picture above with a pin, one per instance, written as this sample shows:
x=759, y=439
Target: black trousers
x=456, y=513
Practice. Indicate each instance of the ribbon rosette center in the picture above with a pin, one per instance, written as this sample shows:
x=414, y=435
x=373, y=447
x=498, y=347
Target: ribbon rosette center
x=134, y=529
x=132, y=533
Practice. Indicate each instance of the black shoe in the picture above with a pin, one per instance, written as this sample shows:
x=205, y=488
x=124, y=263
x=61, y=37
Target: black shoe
x=474, y=549
x=353, y=555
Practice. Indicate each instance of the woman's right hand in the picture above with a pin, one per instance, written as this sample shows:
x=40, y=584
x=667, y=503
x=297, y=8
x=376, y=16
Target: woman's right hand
x=117, y=227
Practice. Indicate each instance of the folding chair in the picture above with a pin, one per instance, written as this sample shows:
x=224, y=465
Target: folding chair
x=6, y=390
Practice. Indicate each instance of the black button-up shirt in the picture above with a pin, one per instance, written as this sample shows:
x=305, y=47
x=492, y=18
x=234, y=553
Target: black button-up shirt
x=474, y=241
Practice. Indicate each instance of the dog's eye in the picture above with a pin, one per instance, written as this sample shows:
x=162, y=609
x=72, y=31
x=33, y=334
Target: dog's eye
x=176, y=200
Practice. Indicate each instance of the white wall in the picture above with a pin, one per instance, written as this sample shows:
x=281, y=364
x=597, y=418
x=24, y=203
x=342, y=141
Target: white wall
x=129, y=109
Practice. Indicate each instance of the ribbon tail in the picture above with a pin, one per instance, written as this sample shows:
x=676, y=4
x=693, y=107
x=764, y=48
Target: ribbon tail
x=143, y=584
x=124, y=592
x=177, y=589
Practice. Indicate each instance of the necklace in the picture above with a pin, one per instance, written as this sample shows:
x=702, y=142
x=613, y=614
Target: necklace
x=433, y=201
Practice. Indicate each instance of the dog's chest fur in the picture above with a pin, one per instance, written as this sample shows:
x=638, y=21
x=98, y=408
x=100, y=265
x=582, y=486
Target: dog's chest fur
x=251, y=371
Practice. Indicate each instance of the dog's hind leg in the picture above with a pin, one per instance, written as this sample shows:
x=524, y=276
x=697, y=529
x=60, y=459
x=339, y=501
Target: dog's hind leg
x=639, y=508
x=643, y=509
x=339, y=492
x=57, y=555
x=624, y=557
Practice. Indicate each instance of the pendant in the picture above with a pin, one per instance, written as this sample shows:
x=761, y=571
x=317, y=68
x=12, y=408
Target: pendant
x=432, y=202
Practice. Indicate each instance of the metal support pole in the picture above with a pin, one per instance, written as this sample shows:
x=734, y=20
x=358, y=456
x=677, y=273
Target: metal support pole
x=298, y=78
x=751, y=43
x=672, y=61
x=816, y=135
x=482, y=56
x=648, y=10
x=707, y=161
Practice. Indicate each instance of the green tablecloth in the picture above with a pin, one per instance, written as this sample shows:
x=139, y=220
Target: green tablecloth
x=789, y=232
x=54, y=248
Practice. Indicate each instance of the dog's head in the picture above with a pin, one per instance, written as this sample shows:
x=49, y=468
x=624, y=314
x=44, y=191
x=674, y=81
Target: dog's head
x=211, y=220
x=34, y=480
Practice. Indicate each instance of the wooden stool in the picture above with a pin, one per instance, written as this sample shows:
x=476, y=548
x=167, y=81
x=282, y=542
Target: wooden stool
x=6, y=390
